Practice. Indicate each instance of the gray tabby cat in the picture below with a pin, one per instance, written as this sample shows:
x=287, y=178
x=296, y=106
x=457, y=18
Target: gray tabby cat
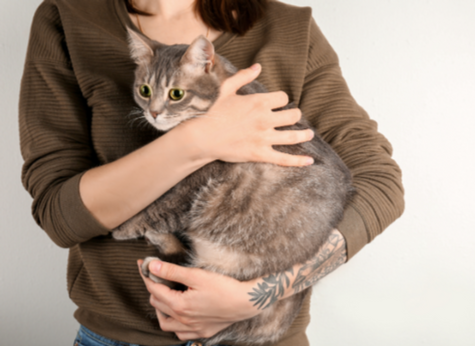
x=243, y=220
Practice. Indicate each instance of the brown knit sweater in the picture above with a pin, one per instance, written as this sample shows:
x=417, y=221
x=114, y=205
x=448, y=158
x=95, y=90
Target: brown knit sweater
x=75, y=100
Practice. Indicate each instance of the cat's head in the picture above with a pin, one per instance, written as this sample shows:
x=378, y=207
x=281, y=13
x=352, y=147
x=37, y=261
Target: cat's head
x=174, y=83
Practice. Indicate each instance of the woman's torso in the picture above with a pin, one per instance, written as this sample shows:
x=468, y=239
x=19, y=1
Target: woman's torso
x=103, y=278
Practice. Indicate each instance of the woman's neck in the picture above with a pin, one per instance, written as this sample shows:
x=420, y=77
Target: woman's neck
x=166, y=9
x=172, y=22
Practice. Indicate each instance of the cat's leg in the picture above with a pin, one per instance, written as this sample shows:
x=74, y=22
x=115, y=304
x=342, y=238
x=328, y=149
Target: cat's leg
x=171, y=249
x=166, y=215
x=156, y=225
x=133, y=228
x=163, y=216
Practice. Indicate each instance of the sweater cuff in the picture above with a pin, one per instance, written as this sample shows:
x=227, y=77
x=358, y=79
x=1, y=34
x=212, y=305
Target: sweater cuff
x=80, y=221
x=353, y=229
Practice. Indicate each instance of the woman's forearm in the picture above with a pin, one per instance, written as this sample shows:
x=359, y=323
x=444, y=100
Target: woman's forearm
x=117, y=191
x=267, y=290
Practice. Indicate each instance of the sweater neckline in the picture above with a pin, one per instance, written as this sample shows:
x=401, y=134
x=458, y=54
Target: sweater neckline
x=125, y=20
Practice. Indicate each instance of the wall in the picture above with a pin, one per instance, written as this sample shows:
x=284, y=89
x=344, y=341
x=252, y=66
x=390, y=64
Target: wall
x=410, y=65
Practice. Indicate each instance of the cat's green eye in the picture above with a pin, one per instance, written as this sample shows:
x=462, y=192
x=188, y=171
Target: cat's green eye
x=176, y=94
x=145, y=90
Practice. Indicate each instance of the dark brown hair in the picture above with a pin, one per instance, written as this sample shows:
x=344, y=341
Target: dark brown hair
x=236, y=16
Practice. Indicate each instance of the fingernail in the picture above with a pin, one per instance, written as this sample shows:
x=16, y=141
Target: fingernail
x=309, y=161
x=156, y=266
x=256, y=67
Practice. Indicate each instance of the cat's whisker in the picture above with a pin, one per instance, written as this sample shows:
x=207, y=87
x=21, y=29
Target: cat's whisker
x=134, y=114
x=144, y=123
x=135, y=111
x=140, y=121
x=135, y=117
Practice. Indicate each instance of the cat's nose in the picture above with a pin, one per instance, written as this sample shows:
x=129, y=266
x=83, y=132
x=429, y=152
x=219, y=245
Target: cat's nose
x=154, y=114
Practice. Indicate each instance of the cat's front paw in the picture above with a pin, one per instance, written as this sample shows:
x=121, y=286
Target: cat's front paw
x=146, y=271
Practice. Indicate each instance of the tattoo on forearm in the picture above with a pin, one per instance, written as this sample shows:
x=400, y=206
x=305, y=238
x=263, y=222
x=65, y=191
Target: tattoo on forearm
x=331, y=255
x=271, y=289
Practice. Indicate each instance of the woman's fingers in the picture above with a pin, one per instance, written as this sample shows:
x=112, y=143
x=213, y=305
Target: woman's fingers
x=161, y=292
x=241, y=128
x=291, y=137
x=201, y=334
x=185, y=328
x=286, y=117
x=284, y=159
x=186, y=336
x=164, y=310
x=168, y=323
x=275, y=100
x=172, y=272
x=211, y=303
x=241, y=78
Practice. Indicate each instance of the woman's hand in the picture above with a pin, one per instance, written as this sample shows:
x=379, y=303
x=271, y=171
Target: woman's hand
x=241, y=128
x=214, y=302
x=211, y=303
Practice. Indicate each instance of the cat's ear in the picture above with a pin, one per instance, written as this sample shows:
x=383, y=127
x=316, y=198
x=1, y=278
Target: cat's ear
x=200, y=53
x=141, y=48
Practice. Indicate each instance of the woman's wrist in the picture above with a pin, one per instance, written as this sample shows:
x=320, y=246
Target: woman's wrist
x=185, y=141
x=193, y=139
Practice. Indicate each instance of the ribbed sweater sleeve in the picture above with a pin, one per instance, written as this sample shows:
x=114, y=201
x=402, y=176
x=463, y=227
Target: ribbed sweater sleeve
x=327, y=103
x=55, y=134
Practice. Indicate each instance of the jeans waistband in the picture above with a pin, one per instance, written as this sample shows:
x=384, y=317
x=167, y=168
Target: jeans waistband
x=87, y=337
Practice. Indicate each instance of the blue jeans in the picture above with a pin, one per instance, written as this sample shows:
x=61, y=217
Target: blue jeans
x=86, y=337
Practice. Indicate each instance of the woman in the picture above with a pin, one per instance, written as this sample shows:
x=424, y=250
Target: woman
x=89, y=168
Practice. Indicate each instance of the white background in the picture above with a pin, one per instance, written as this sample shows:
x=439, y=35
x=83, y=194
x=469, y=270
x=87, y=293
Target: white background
x=410, y=64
